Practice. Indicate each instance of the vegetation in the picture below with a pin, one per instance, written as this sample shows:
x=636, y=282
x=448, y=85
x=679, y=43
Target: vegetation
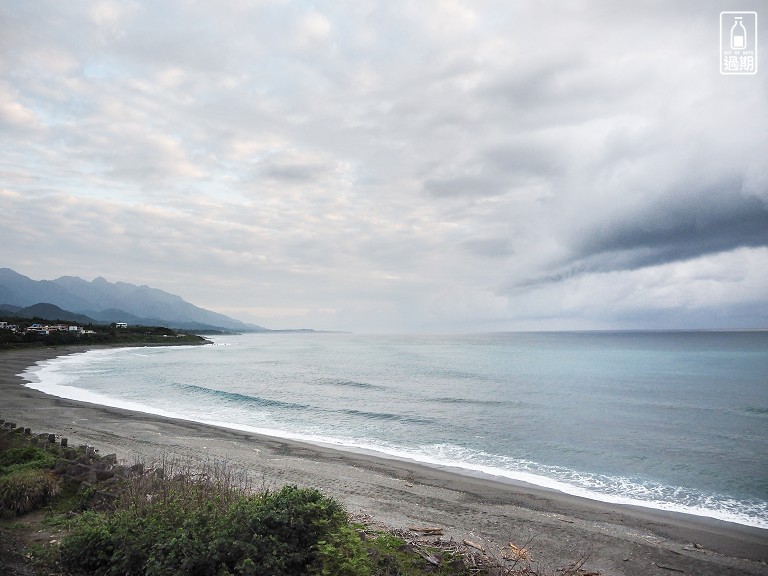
x=24, y=458
x=26, y=490
x=26, y=481
x=275, y=533
x=196, y=520
x=91, y=334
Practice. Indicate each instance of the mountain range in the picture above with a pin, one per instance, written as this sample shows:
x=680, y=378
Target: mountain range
x=108, y=302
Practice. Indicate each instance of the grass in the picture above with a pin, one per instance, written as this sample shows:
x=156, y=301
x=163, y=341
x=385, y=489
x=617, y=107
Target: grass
x=25, y=458
x=26, y=490
x=393, y=554
x=26, y=479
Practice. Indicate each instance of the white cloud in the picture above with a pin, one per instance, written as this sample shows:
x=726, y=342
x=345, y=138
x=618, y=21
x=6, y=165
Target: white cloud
x=390, y=166
x=109, y=14
x=313, y=28
x=18, y=116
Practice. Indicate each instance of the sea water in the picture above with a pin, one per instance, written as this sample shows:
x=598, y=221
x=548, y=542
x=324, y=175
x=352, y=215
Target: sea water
x=669, y=420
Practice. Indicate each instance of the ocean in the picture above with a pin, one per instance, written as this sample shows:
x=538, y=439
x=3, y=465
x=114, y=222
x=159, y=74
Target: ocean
x=668, y=420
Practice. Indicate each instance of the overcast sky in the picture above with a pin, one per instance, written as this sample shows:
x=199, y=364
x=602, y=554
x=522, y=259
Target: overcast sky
x=391, y=166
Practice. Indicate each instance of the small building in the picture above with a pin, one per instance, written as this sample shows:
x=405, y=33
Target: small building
x=38, y=329
x=121, y=325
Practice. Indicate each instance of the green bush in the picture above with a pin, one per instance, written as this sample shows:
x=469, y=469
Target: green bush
x=282, y=529
x=341, y=553
x=289, y=532
x=90, y=546
x=25, y=458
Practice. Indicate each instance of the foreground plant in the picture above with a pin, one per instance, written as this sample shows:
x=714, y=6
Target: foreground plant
x=26, y=482
x=26, y=490
x=288, y=532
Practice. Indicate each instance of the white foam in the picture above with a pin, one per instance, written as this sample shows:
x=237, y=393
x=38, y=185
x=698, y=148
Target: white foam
x=717, y=510
x=58, y=377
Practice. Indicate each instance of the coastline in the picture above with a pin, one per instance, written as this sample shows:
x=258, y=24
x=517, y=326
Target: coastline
x=557, y=528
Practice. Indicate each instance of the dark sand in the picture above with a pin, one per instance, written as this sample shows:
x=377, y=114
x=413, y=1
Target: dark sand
x=558, y=529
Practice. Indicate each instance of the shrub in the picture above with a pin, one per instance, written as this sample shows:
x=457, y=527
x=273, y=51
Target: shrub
x=341, y=553
x=25, y=458
x=285, y=533
x=26, y=490
x=90, y=546
x=281, y=529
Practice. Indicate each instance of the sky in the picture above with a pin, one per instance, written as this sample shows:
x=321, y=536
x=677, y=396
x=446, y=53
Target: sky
x=392, y=166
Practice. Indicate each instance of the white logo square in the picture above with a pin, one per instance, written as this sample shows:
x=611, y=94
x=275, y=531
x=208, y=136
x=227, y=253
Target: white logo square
x=738, y=43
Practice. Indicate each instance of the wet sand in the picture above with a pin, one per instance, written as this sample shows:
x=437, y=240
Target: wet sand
x=557, y=529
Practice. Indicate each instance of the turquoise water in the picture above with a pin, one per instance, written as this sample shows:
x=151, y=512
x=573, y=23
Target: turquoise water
x=668, y=420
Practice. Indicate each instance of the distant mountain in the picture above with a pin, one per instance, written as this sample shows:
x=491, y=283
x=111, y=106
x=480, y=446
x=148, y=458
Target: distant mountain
x=50, y=312
x=115, y=315
x=114, y=302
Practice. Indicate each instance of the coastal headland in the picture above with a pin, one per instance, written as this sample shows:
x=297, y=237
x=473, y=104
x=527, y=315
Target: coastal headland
x=556, y=528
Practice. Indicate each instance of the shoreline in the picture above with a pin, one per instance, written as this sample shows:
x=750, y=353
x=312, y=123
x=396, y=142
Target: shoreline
x=617, y=538
x=522, y=479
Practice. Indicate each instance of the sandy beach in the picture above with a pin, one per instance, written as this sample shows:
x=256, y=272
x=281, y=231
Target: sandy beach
x=557, y=529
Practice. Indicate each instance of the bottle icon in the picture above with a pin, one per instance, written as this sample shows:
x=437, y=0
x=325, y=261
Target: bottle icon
x=738, y=35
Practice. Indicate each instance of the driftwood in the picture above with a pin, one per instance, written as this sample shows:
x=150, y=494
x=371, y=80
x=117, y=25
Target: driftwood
x=476, y=558
x=427, y=555
x=516, y=553
x=670, y=568
x=474, y=545
x=427, y=530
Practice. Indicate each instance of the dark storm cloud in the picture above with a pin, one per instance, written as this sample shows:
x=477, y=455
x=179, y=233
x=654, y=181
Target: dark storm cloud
x=679, y=228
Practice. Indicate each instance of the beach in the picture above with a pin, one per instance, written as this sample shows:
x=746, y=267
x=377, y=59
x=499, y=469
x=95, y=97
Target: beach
x=556, y=528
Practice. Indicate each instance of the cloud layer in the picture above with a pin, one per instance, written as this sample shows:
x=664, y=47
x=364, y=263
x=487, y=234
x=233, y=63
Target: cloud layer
x=387, y=166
